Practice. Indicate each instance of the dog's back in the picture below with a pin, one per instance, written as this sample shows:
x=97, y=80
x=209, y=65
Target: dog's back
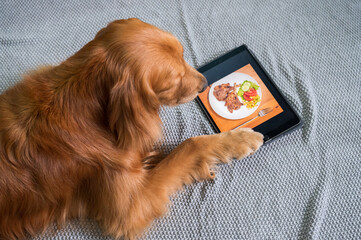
x=25, y=192
x=36, y=183
x=48, y=154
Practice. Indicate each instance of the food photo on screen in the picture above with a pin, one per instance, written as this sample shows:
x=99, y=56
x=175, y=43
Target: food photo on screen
x=239, y=99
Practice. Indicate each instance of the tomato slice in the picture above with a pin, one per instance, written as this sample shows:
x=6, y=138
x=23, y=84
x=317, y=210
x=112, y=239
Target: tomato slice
x=247, y=98
x=251, y=92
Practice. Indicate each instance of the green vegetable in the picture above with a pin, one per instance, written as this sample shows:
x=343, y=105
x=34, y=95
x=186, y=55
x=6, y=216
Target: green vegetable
x=246, y=85
x=240, y=93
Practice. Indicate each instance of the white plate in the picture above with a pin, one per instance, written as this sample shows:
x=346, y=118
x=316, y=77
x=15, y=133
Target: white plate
x=218, y=106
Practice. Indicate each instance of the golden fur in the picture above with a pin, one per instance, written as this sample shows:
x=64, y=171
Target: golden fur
x=76, y=139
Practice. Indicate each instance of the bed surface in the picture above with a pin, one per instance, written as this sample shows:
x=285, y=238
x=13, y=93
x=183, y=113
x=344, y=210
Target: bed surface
x=306, y=185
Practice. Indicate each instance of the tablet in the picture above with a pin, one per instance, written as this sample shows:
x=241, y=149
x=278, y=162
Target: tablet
x=242, y=95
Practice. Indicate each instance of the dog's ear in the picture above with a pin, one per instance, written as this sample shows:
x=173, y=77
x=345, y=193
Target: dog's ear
x=132, y=105
x=132, y=108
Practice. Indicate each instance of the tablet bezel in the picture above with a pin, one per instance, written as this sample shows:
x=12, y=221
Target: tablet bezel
x=280, y=124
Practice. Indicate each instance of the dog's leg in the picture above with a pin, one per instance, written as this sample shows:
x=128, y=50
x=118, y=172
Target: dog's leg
x=193, y=159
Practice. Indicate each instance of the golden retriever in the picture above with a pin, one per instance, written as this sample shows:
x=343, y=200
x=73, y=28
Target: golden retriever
x=76, y=140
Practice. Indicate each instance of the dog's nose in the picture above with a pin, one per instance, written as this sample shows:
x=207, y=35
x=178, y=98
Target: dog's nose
x=204, y=88
x=205, y=84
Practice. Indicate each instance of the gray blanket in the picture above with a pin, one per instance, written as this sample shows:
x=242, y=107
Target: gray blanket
x=306, y=185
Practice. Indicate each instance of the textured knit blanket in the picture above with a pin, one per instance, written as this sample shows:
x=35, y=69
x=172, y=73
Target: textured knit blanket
x=306, y=185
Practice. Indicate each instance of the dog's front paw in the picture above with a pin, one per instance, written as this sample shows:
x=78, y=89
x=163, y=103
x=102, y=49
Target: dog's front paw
x=242, y=142
x=237, y=144
x=221, y=148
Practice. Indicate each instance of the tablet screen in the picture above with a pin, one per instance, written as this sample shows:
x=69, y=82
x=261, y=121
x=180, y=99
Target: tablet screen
x=240, y=99
x=242, y=95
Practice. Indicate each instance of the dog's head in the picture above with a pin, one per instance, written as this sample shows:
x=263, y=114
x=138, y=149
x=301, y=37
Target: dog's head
x=152, y=60
x=141, y=67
